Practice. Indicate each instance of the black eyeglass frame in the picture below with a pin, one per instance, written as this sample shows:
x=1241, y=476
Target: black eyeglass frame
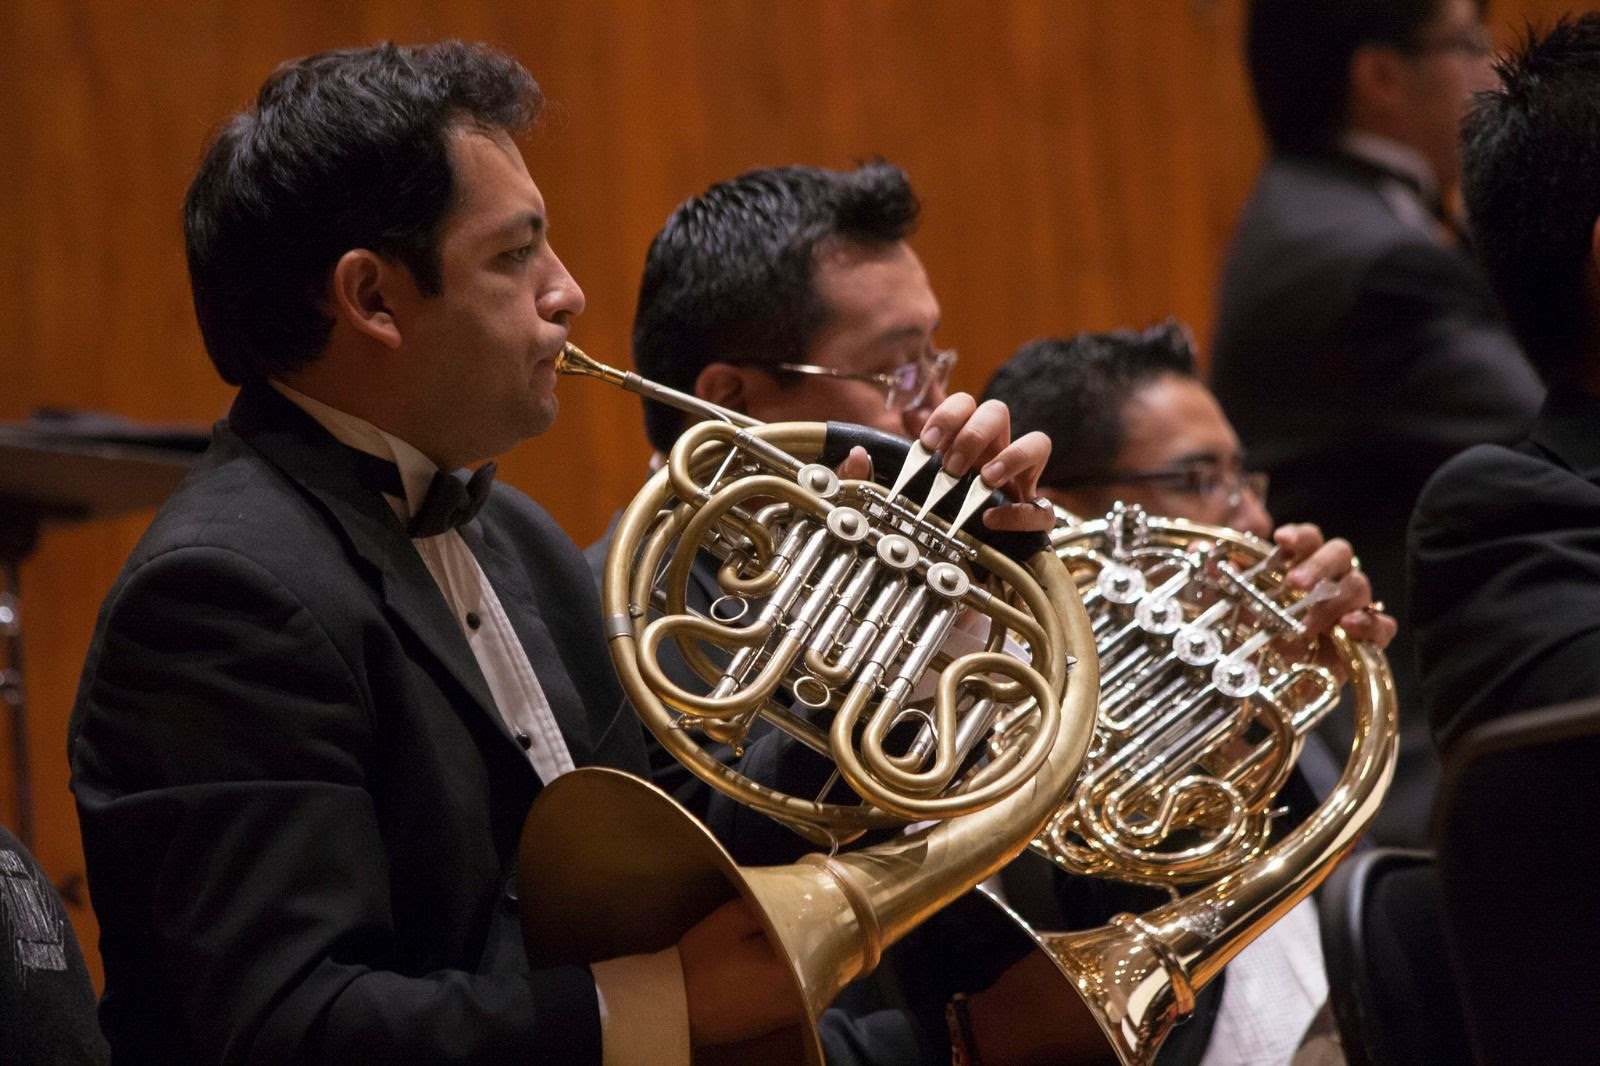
x=1201, y=478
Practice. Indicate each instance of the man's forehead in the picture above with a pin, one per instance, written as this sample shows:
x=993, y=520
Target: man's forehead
x=1456, y=15
x=882, y=289
x=494, y=191
x=1177, y=417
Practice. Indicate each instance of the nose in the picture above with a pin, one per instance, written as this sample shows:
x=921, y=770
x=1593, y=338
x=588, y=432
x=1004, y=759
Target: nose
x=560, y=298
x=913, y=417
x=1251, y=515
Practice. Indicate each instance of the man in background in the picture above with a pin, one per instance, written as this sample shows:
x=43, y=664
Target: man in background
x=1356, y=345
x=791, y=293
x=1134, y=424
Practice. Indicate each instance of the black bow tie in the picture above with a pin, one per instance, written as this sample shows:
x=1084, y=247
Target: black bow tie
x=452, y=499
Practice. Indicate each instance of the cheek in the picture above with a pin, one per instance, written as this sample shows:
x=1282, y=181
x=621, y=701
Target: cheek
x=864, y=407
x=828, y=401
x=1205, y=512
x=1155, y=501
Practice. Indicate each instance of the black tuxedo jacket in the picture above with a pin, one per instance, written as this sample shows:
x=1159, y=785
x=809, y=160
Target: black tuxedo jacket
x=1505, y=573
x=1355, y=353
x=300, y=808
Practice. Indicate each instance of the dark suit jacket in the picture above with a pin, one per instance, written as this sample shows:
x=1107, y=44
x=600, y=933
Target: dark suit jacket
x=1505, y=574
x=299, y=806
x=1354, y=353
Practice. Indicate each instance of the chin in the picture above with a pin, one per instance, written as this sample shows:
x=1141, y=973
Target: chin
x=540, y=417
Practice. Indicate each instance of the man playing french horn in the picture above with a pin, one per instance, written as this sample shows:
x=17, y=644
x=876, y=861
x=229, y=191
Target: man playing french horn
x=324, y=691
x=1149, y=433
x=820, y=309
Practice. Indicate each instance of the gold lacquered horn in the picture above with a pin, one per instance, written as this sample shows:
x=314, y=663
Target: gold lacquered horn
x=612, y=866
x=1138, y=974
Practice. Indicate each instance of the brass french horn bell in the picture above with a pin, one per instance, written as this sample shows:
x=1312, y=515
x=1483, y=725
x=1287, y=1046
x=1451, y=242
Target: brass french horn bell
x=1208, y=688
x=841, y=628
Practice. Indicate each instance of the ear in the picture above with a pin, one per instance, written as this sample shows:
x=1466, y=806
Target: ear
x=362, y=294
x=728, y=386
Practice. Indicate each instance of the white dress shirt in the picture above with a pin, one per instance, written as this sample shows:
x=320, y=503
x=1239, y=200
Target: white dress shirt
x=644, y=1014
x=1273, y=990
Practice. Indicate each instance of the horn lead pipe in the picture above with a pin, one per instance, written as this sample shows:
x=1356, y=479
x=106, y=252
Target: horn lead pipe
x=573, y=360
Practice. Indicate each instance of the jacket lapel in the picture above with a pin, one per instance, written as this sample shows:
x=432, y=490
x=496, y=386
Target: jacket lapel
x=322, y=467
x=521, y=604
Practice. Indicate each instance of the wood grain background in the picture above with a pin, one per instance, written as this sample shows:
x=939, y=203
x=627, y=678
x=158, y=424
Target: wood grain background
x=1080, y=163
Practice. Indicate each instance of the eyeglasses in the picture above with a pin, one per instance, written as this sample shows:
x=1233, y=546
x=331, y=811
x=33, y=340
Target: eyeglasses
x=1473, y=43
x=904, y=387
x=1206, y=479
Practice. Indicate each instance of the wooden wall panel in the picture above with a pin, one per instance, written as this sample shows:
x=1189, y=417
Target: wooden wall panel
x=1080, y=161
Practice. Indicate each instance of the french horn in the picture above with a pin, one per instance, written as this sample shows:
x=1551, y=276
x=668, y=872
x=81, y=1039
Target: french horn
x=1209, y=685
x=842, y=628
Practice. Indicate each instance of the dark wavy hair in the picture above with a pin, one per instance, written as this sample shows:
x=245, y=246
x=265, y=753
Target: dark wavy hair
x=731, y=277
x=343, y=149
x=1073, y=390
x=1531, y=179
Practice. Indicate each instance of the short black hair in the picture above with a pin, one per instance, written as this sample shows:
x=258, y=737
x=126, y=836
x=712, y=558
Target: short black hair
x=731, y=277
x=1073, y=390
x=1531, y=180
x=343, y=149
x=1298, y=52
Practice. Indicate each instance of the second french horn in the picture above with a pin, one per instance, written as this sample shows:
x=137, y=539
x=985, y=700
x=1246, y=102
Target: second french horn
x=1209, y=687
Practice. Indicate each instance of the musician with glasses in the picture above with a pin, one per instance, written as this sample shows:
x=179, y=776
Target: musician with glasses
x=1133, y=423
x=1356, y=345
x=791, y=293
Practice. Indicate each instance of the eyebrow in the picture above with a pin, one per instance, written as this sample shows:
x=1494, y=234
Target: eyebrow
x=1203, y=457
x=895, y=334
x=530, y=221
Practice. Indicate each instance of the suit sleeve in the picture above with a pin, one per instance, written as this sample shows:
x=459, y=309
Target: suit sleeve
x=221, y=761
x=1505, y=588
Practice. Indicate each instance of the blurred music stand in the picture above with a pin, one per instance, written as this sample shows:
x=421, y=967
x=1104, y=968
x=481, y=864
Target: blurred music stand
x=70, y=467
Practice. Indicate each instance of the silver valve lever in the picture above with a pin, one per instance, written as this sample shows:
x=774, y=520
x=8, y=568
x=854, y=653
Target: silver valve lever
x=942, y=484
x=977, y=495
x=916, y=458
